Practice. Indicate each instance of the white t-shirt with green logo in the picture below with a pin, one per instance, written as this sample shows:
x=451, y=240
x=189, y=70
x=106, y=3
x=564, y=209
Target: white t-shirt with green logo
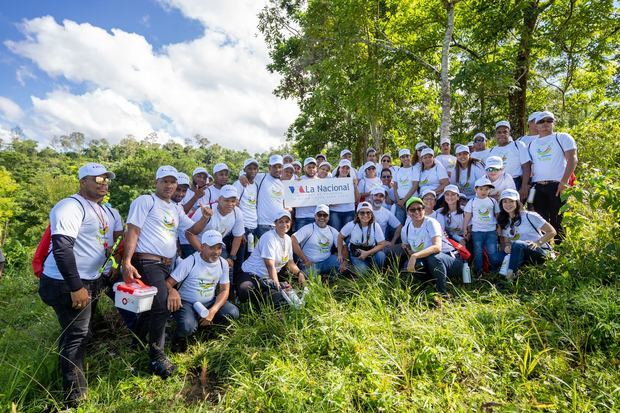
x=247, y=203
x=199, y=278
x=430, y=178
x=484, y=214
x=270, y=198
x=548, y=160
x=316, y=242
x=420, y=238
x=270, y=246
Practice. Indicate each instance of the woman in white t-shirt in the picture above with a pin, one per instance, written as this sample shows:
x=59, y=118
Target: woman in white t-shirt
x=386, y=163
x=313, y=244
x=466, y=172
x=425, y=243
x=369, y=181
x=340, y=214
x=260, y=271
x=498, y=176
x=405, y=183
x=366, y=241
x=432, y=173
x=451, y=214
x=524, y=235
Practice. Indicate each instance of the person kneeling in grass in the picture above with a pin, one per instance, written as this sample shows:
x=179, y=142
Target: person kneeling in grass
x=524, y=235
x=196, y=279
x=424, y=243
x=366, y=241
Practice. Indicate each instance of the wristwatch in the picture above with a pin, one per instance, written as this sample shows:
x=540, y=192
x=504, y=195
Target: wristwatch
x=233, y=257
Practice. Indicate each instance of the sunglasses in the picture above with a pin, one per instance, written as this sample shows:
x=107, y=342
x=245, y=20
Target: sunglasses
x=545, y=121
x=364, y=213
x=422, y=148
x=101, y=180
x=493, y=169
x=322, y=215
x=386, y=176
x=479, y=140
x=416, y=209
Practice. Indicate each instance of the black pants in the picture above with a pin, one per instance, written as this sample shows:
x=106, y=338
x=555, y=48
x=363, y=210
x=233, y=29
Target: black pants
x=256, y=290
x=548, y=205
x=151, y=325
x=75, y=325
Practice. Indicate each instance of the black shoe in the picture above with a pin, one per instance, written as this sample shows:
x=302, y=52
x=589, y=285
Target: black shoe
x=179, y=345
x=162, y=367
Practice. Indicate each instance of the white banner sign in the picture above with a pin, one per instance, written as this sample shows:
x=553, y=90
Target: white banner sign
x=310, y=192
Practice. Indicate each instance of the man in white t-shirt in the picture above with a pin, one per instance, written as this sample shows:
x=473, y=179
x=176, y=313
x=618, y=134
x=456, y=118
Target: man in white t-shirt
x=270, y=194
x=247, y=203
x=313, y=244
x=554, y=159
x=182, y=188
x=348, y=155
x=390, y=225
x=197, y=278
x=221, y=175
x=532, y=129
x=305, y=215
x=200, y=182
x=516, y=161
x=445, y=158
x=71, y=281
x=480, y=147
x=150, y=246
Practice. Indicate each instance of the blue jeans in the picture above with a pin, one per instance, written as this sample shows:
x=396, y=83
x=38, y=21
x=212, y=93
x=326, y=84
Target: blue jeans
x=262, y=229
x=521, y=253
x=188, y=320
x=339, y=219
x=441, y=266
x=401, y=214
x=300, y=222
x=486, y=240
x=377, y=260
x=321, y=267
x=518, y=180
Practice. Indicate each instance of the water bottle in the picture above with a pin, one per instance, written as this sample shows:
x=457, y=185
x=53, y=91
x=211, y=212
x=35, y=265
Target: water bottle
x=201, y=309
x=466, y=274
x=250, y=242
x=504, y=268
x=532, y=193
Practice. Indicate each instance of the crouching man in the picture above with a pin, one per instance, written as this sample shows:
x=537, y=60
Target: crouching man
x=196, y=279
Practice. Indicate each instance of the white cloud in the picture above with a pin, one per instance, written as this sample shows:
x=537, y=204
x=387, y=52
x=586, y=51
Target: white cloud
x=9, y=109
x=216, y=85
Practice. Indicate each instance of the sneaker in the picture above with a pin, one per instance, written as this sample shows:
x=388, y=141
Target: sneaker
x=163, y=367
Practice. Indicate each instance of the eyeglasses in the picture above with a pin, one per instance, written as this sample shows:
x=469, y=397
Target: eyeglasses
x=364, y=213
x=415, y=209
x=322, y=215
x=545, y=121
x=386, y=176
x=101, y=180
x=478, y=140
x=493, y=169
x=422, y=148
x=385, y=160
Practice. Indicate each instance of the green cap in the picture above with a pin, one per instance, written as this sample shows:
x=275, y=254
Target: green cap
x=412, y=200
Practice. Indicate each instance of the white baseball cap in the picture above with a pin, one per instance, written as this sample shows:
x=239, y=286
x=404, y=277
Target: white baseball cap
x=165, y=171
x=371, y=149
x=404, y=152
x=321, y=208
x=470, y=143
x=344, y=162
x=532, y=117
x=420, y=146
x=364, y=205
x=377, y=190
x=480, y=135
x=281, y=213
x=452, y=188
x=249, y=162
x=296, y=163
x=494, y=162
x=220, y=167
x=276, y=160
x=427, y=151
x=483, y=181
x=212, y=237
x=460, y=148
x=326, y=163
x=288, y=155
x=345, y=152
x=502, y=123
x=544, y=115
x=288, y=166
x=386, y=155
x=321, y=154
x=369, y=164
x=509, y=194
x=94, y=169
x=200, y=170
x=444, y=140
x=229, y=191
x=182, y=179
x=309, y=161
x=428, y=191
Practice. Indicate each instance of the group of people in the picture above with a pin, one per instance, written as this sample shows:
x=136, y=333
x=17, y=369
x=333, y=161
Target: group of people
x=203, y=240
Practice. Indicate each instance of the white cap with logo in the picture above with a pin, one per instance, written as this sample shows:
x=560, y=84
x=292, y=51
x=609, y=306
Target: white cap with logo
x=344, y=162
x=420, y=145
x=94, y=169
x=321, y=208
x=212, y=237
x=483, y=181
x=309, y=160
x=345, y=152
x=325, y=163
x=460, y=149
x=509, y=194
x=165, y=171
x=502, y=123
x=229, y=191
x=427, y=151
x=444, y=140
x=532, y=117
x=494, y=162
x=276, y=160
x=249, y=162
x=452, y=188
x=428, y=191
x=404, y=152
x=220, y=167
x=182, y=179
x=544, y=115
x=200, y=170
x=281, y=214
x=364, y=205
x=377, y=190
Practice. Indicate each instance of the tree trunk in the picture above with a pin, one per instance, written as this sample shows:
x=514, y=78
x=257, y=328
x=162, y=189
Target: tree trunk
x=517, y=97
x=444, y=128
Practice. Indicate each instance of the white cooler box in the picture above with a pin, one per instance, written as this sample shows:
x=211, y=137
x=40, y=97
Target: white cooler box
x=136, y=297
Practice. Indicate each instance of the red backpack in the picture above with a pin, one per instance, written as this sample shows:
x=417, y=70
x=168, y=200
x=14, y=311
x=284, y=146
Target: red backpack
x=45, y=246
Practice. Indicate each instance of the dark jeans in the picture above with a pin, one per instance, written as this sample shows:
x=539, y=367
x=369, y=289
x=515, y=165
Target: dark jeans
x=441, y=266
x=151, y=325
x=339, y=219
x=188, y=320
x=300, y=222
x=75, y=327
x=486, y=240
x=521, y=253
x=518, y=181
x=548, y=205
x=186, y=250
x=262, y=229
x=254, y=289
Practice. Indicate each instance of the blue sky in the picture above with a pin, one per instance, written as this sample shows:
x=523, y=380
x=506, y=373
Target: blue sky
x=54, y=75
